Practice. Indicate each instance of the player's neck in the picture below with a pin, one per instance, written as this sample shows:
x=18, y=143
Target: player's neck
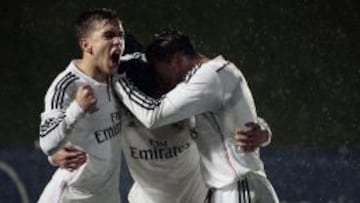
x=200, y=59
x=91, y=70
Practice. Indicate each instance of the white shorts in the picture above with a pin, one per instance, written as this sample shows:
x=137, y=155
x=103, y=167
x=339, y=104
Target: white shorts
x=57, y=191
x=252, y=189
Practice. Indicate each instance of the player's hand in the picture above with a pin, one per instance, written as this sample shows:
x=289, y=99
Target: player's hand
x=85, y=97
x=69, y=158
x=251, y=138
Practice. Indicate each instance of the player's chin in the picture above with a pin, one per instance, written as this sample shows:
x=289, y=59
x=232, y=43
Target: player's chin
x=112, y=68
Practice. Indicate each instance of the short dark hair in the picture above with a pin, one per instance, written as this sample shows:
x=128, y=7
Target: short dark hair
x=164, y=45
x=85, y=21
x=132, y=44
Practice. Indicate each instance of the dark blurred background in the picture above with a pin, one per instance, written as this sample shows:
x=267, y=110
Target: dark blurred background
x=301, y=60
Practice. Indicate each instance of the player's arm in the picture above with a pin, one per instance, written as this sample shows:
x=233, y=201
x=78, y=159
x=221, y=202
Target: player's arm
x=57, y=123
x=201, y=93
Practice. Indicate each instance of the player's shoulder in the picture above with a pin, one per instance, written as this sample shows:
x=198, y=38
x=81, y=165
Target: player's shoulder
x=225, y=69
x=208, y=70
x=66, y=75
x=64, y=81
x=218, y=63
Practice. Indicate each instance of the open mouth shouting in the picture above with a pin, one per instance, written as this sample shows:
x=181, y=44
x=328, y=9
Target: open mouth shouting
x=115, y=57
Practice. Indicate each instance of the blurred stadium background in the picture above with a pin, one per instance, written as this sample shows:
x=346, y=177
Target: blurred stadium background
x=301, y=60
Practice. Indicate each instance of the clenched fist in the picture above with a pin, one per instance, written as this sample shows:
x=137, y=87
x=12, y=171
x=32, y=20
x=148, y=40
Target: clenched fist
x=85, y=97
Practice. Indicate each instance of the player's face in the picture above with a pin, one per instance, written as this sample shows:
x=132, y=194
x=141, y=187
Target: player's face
x=167, y=72
x=107, y=45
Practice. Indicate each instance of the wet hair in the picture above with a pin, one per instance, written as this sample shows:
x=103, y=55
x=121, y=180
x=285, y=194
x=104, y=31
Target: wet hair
x=132, y=44
x=85, y=21
x=137, y=70
x=164, y=45
x=141, y=74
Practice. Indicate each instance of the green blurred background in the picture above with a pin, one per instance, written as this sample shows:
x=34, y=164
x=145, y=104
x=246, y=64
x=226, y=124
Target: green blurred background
x=301, y=58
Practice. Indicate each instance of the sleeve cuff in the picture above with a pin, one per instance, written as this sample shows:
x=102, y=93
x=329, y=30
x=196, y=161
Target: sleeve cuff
x=73, y=113
x=265, y=126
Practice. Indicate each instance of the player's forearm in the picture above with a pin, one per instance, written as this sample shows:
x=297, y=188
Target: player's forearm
x=56, y=126
x=147, y=110
x=180, y=103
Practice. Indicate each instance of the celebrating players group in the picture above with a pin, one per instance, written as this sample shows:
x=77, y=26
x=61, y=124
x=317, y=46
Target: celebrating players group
x=185, y=124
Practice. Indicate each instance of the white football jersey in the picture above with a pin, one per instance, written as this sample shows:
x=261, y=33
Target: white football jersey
x=218, y=93
x=97, y=133
x=164, y=163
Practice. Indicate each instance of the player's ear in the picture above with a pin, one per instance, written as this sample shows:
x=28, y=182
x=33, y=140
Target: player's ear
x=85, y=45
x=177, y=59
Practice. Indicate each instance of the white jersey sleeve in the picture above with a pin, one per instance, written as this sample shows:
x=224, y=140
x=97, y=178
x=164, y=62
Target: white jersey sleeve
x=265, y=126
x=199, y=93
x=60, y=114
